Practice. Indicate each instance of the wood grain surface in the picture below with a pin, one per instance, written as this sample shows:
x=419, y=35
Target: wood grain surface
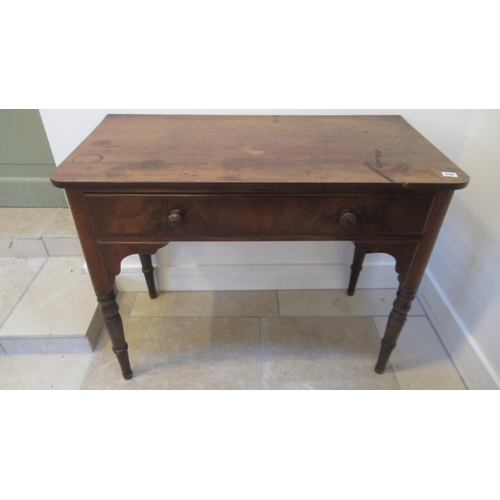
x=194, y=153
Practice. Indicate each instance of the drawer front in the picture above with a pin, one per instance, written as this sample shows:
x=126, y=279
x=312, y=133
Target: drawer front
x=253, y=215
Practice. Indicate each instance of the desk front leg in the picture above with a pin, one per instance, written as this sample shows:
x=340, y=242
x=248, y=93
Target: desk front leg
x=111, y=255
x=103, y=262
x=410, y=282
x=405, y=253
x=412, y=258
x=395, y=323
x=114, y=326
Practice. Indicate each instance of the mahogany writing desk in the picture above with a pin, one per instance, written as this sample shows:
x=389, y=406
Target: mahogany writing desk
x=140, y=181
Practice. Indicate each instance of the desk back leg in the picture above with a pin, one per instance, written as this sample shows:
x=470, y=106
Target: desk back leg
x=147, y=269
x=357, y=266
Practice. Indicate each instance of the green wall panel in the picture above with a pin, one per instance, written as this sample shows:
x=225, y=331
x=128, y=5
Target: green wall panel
x=26, y=161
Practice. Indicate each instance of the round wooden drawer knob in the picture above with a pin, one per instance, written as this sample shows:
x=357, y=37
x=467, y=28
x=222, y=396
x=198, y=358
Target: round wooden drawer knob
x=347, y=218
x=175, y=218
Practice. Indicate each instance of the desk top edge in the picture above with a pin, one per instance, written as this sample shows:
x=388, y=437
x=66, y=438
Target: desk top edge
x=187, y=151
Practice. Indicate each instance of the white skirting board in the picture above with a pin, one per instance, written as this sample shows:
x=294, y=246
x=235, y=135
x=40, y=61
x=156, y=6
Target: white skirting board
x=256, y=277
x=461, y=346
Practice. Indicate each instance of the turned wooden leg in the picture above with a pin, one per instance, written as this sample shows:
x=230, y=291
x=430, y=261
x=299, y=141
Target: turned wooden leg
x=147, y=269
x=357, y=266
x=114, y=325
x=395, y=323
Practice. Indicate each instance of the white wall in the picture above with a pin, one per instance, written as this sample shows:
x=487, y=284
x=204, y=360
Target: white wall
x=466, y=261
x=446, y=129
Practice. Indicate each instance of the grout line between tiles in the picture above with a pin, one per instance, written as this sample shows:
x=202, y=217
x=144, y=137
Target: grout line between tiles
x=133, y=304
x=200, y=317
x=21, y=238
x=262, y=368
x=45, y=246
x=386, y=315
x=278, y=300
x=44, y=337
x=59, y=238
x=222, y=316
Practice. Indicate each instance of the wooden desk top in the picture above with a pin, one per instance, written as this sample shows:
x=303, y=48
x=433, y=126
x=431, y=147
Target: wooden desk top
x=192, y=153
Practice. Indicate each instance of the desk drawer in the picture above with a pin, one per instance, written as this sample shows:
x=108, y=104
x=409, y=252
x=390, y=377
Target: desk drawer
x=198, y=215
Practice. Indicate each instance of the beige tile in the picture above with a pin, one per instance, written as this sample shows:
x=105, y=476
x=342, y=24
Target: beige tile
x=62, y=226
x=60, y=237
x=419, y=360
x=241, y=303
x=26, y=222
x=125, y=302
x=16, y=274
x=59, y=302
x=337, y=303
x=57, y=247
x=183, y=353
x=94, y=329
x=22, y=247
x=43, y=371
x=322, y=353
x=46, y=345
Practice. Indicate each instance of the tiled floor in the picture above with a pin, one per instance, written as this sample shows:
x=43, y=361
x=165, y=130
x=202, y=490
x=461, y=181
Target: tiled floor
x=310, y=339
x=37, y=232
x=47, y=303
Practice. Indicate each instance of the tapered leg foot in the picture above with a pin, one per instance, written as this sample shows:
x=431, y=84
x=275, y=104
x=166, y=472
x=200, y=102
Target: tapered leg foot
x=357, y=266
x=395, y=323
x=114, y=326
x=147, y=269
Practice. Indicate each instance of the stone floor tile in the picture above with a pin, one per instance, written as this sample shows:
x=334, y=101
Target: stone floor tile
x=43, y=371
x=22, y=247
x=62, y=226
x=322, y=353
x=420, y=360
x=183, y=353
x=26, y=222
x=21, y=345
x=59, y=302
x=61, y=238
x=58, y=247
x=377, y=302
x=16, y=274
x=126, y=301
x=239, y=303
